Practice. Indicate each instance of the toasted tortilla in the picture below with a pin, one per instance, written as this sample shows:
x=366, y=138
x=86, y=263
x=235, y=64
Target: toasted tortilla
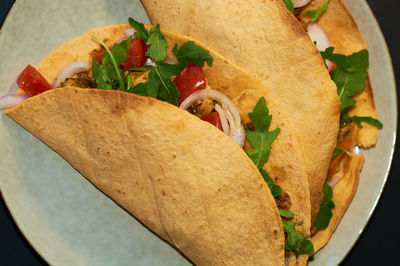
x=266, y=39
x=216, y=209
x=347, y=39
x=187, y=181
x=348, y=175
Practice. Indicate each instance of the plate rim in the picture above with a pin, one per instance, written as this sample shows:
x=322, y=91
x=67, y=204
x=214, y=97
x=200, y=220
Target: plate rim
x=376, y=201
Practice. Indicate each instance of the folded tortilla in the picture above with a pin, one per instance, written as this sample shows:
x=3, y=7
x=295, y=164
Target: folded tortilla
x=181, y=177
x=266, y=39
x=345, y=36
x=347, y=39
x=344, y=181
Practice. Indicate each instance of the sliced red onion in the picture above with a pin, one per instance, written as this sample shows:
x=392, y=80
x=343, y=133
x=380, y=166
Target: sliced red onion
x=222, y=117
x=11, y=100
x=318, y=35
x=69, y=71
x=129, y=32
x=236, y=133
x=300, y=3
x=13, y=88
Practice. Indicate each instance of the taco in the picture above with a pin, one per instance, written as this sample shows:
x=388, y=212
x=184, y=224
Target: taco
x=264, y=38
x=343, y=43
x=267, y=33
x=188, y=182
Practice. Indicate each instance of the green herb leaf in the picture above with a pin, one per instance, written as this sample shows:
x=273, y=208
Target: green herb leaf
x=141, y=31
x=275, y=189
x=139, y=89
x=103, y=81
x=349, y=75
x=261, y=139
x=325, y=210
x=289, y=5
x=110, y=71
x=157, y=45
x=140, y=69
x=360, y=119
x=316, y=14
x=190, y=52
x=159, y=83
x=260, y=116
x=295, y=241
x=338, y=150
x=286, y=213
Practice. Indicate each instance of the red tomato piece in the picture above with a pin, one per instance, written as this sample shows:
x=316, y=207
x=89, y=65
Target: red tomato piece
x=213, y=118
x=333, y=67
x=99, y=57
x=335, y=162
x=136, y=54
x=189, y=80
x=32, y=82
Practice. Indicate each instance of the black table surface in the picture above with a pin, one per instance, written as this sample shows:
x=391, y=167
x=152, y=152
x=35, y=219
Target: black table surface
x=380, y=239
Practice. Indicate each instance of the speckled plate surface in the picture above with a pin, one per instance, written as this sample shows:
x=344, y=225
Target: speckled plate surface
x=66, y=219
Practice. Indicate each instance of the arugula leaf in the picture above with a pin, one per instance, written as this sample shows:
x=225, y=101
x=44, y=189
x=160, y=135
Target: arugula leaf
x=140, y=69
x=315, y=14
x=141, y=31
x=349, y=75
x=276, y=190
x=106, y=73
x=338, y=150
x=286, y=213
x=289, y=5
x=360, y=119
x=260, y=116
x=103, y=81
x=190, y=52
x=159, y=83
x=295, y=241
x=325, y=210
x=261, y=139
x=139, y=89
x=157, y=45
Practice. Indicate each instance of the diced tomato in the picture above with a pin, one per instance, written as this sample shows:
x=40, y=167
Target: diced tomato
x=32, y=82
x=333, y=67
x=213, y=118
x=335, y=162
x=99, y=57
x=136, y=52
x=189, y=80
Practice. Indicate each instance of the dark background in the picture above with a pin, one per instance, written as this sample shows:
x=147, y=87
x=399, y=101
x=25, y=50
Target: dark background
x=376, y=246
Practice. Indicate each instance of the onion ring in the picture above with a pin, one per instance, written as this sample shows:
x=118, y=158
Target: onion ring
x=11, y=100
x=69, y=71
x=222, y=117
x=237, y=133
x=318, y=35
x=300, y=3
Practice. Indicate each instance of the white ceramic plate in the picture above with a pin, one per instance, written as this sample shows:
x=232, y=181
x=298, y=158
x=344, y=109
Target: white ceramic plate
x=66, y=219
